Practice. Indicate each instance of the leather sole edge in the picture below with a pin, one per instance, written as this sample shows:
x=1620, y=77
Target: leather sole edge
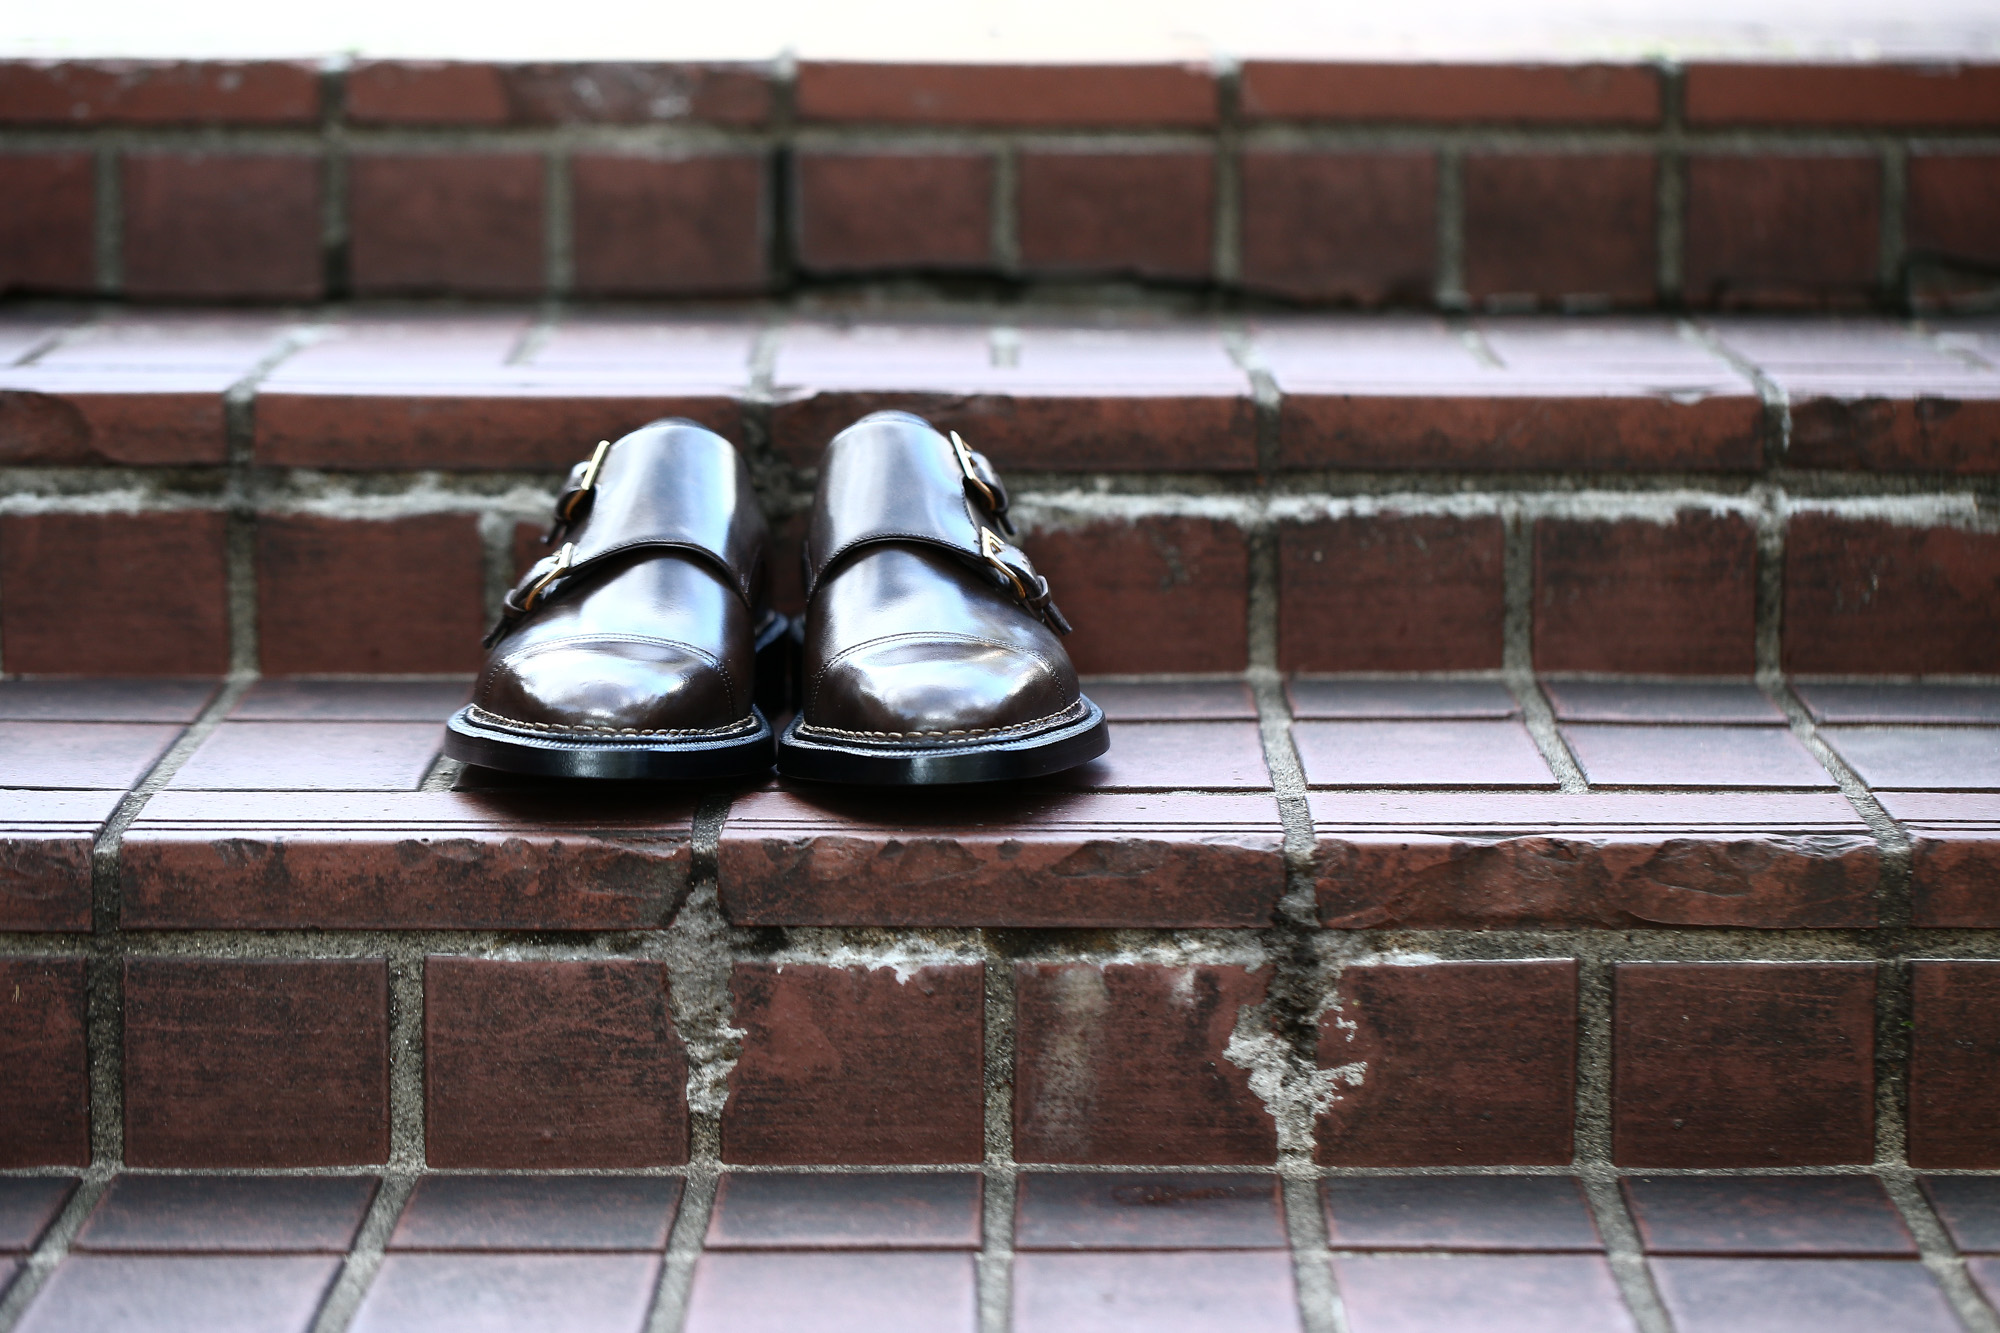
x=747, y=755
x=1033, y=756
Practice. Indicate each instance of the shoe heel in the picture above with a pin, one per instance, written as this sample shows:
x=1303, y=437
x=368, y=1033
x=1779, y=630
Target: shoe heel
x=780, y=658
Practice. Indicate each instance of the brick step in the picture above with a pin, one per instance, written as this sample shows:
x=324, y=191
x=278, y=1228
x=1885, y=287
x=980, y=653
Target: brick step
x=1493, y=184
x=1401, y=494
x=758, y=1251
x=1671, y=925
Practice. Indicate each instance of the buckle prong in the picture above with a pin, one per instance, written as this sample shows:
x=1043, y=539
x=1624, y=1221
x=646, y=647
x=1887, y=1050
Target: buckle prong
x=564, y=558
x=964, y=455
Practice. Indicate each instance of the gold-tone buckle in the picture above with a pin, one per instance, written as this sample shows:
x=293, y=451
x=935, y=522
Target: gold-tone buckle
x=563, y=559
x=964, y=454
x=994, y=549
x=589, y=478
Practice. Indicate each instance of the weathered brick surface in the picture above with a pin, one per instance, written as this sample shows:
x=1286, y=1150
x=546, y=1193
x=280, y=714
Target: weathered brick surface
x=1186, y=579
x=1522, y=860
x=870, y=211
x=404, y=860
x=1030, y=859
x=1151, y=214
x=1432, y=752
x=47, y=237
x=441, y=223
x=114, y=593
x=1124, y=1063
x=80, y=755
x=1954, y=856
x=1865, y=595
x=159, y=92
x=1445, y=1064
x=45, y=1100
x=1175, y=756
x=341, y=595
x=1953, y=206
x=1954, y=1038
x=856, y=1064
x=1861, y=94
x=1640, y=596
x=436, y=92
x=1323, y=226
x=45, y=842
x=647, y=226
x=551, y=1065
x=256, y=1064
x=215, y=226
x=1598, y=243
x=1782, y=231
x=1012, y=96
x=1743, y=1064
x=1445, y=93
x=1390, y=592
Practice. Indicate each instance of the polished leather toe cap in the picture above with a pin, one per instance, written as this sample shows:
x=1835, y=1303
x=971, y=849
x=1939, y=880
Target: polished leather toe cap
x=932, y=685
x=604, y=683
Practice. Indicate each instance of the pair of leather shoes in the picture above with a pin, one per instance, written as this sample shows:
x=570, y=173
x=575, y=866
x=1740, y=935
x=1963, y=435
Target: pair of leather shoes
x=645, y=647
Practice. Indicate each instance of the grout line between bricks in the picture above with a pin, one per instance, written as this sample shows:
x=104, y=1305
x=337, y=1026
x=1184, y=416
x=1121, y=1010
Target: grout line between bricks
x=1449, y=293
x=53, y=1247
x=670, y=1299
x=364, y=1259
x=1939, y=1255
x=108, y=222
x=558, y=224
x=1591, y=1144
x=1892, y=274
x=407, y=1150
x=1320, y=1309
x=1227, y=168
x=996, y=1247
x=1623, y=1251
x=104, y=1040
x=1518, y=650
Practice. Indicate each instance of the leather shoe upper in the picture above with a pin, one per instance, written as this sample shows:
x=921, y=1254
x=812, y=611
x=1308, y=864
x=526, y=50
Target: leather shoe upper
x=644, y=620
x=924, y=624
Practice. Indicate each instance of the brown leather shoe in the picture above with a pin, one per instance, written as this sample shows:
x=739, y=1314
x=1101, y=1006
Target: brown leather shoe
x=932, y=648
x=633, y=651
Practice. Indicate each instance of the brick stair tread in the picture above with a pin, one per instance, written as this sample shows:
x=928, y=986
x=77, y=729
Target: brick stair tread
x=497, y=391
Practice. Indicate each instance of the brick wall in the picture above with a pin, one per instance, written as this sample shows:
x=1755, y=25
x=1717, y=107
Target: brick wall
x=1482, y=186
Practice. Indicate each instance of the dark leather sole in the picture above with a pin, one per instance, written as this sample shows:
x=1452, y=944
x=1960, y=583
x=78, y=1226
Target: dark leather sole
x=1033, y=756
x=747, y=754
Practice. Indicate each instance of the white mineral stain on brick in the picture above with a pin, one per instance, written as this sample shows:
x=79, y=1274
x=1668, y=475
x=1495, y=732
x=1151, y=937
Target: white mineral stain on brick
x=905, y=958
x=1068, y=1061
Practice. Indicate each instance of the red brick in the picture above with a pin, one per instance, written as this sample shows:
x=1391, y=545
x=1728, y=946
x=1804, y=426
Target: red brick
x=1451, y=93
x=1900, y=703
x=115, y=594
x=1450, y=1064
x=1012, y=96
x=295, y=756
x=1617, y=860
x=857, y=1064
x=404, y=860
x=417, y=92
x=1743, y=1064
x=1186, y=579
x=45, y=848
x=650, y=225
x=1400, y=394
x=1028, y=859
x=524, y=1291
x=1175, y=756
x=1560, y=224
x=1359, y=227
x=1105, y=1210
x=1849, y=93
x=1151, y=214
x=1714, y=1293
x=214, y=1214
x=539, y=1212
x=45, y=1102
x=551, y=1065
x=1767, y=1215
x=1796, y=231
x=159, y=92
x=272, y=700
x=48, y=238
x=777, y=1291
x=106, y=756
x=1953, y=204
x=1146, y=398
x=1389, y=1293
x=1954, y=1039
x=822, y=1210
x=446, y=223
x=1190, y=1290
x=394, y=595
x=1636, y=596
x=1458, y=1212
x=1870, y=595
x=863, y=211
x=1958, y=758
x=1390, y=592
x=203, y=225
x=251, y=1064
x=1156, y=700
x=1123, y=1064
x=1429, y=753
x=415, y=391
x=1724, y=757
x=1379, y=698
x=1702, y=703
x=1954, y=853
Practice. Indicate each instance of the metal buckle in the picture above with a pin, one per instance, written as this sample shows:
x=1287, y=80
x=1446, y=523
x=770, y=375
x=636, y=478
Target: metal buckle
x=994, y=550
x=563, y=559
x=964, y=454
x=589, y=478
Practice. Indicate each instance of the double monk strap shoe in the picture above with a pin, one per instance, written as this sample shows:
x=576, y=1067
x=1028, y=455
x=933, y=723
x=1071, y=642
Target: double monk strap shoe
x=634, y=650
x=933, y=650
